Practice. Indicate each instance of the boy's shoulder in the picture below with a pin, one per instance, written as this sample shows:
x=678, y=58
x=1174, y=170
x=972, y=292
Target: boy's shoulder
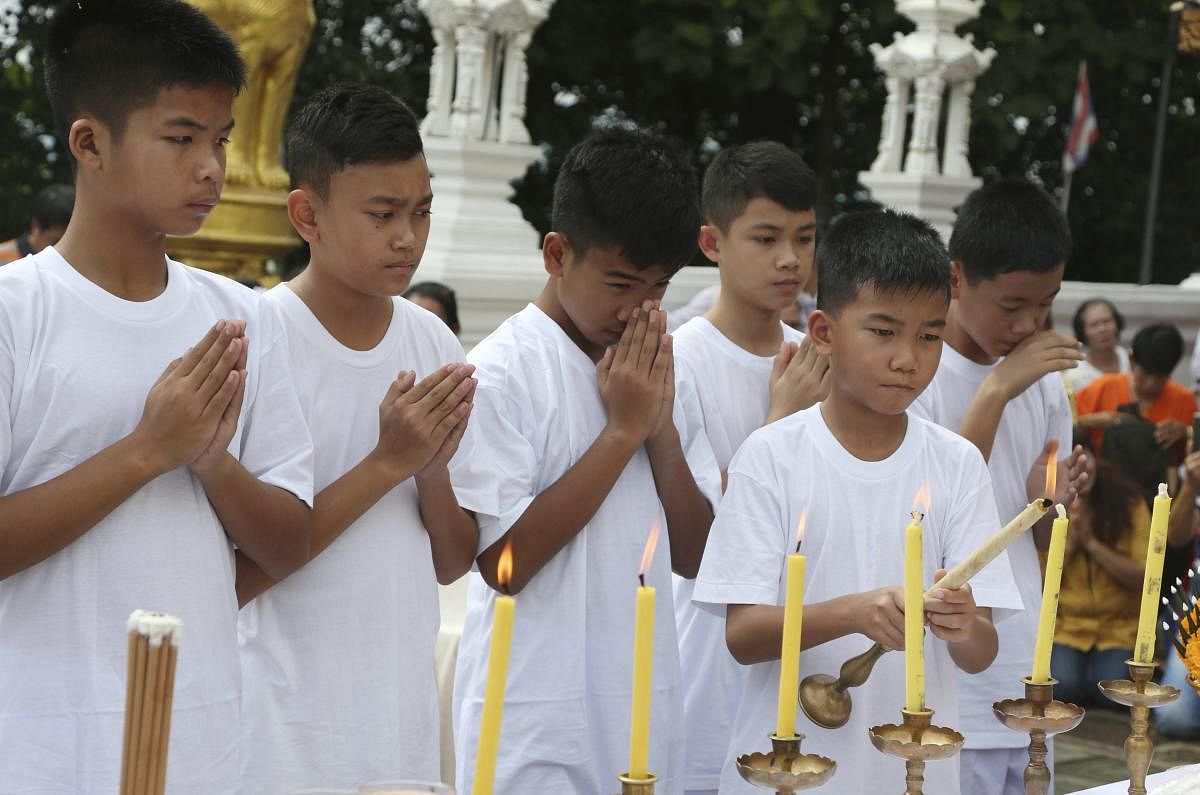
x=783, y=439
x=523, y=342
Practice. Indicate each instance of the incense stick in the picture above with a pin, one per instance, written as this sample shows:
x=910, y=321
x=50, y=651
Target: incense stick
x=153, y=649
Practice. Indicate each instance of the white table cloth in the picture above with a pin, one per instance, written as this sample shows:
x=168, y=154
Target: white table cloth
x=1157, y=779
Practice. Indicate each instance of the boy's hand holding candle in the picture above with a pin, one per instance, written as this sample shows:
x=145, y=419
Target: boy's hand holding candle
x=950, y=612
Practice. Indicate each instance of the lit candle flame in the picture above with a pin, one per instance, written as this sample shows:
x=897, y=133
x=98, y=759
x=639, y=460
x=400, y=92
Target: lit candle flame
x=922, y=501
x=504, y=568
x=1052, y=469
x=648, y=553
x=800, y=527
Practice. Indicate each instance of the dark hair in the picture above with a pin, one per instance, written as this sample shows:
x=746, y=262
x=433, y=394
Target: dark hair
x=111, y=57
x=631, y=190
x=760, y=170
x=1077, y=321
x=53, y=206
x=887, y=250
x=346, y=124
x=1112, y=498
x=443, y=295
x=1009, y=226
x=1157, y=348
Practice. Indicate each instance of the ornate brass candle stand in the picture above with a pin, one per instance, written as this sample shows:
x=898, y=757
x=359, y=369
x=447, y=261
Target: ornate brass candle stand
x=637, y=786
x=1039, y=715
x=786, y=770
x=1139, y=694
x=916, y=741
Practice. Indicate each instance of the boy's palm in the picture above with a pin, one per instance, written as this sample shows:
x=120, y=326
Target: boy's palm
x=1036, y=355
x=415, y=419
x=951, y=612
x=881, y=616
x=799, y=379
x=631, y=377
x=227, y=426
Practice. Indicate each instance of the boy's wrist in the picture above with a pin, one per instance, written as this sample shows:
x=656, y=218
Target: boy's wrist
x=219, y=468
x=624, y=440
x=386, y=467
x=145, y=457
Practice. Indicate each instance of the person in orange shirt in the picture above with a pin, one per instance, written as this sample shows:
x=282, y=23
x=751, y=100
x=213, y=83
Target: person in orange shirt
x=1155, y=352
x=50, y=212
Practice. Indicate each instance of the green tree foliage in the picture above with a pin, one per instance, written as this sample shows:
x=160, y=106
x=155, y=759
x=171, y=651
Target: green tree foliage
x=714, y=72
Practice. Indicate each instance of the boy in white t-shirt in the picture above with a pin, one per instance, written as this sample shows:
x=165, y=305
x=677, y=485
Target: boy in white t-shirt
x=850, y=468
x=748, y=368
x=585, y=442
x=999, y=385
x=338, y=659
x=149, y=419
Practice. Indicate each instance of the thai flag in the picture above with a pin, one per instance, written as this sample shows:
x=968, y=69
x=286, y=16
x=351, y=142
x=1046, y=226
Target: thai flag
x=1084, y=129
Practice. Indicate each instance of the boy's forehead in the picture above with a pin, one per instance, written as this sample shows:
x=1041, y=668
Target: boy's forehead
x=764, y=210
x=612, y=260
x=205, y=103
x=1023, y=285
x=394, y=181
x=921, y=306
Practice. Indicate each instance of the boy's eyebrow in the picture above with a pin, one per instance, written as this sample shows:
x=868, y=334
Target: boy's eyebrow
x=1020, y=299
x=939, y=323
x=191, y=124
x=396, y=201
x=615, y=274
x=883, y=317
x=769, y=227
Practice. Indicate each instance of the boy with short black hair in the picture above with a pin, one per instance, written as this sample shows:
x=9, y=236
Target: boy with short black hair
x=999, y=385
x=585, y=444
x=338, y=659
x=49, y=215
x=748, y=368
x=848, y=469
x=114, y=499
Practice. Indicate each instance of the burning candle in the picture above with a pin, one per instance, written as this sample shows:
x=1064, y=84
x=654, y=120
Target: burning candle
x=789, y=653
x=1050, y=593
x=1143, y=650
x=643, y=667
x=914, y=606
x=493, y=698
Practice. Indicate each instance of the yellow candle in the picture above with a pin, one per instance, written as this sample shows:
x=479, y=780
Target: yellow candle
x=1050, y=592
x=914, y=617
x=493, y=698
x=789, y=653
x=643, y=667
x=1143, y=650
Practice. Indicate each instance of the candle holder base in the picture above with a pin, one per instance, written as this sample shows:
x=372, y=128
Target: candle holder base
x=824, y=698
x=786, y=770
x=637, y=786
x=1140, y=695
x=1039, y=716
x=917, y=741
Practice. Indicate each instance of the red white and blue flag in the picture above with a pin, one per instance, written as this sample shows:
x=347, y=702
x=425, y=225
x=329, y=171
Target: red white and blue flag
x=1084, y=129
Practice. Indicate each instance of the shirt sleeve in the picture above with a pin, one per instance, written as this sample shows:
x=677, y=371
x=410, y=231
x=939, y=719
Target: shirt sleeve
x=276, y=445
x=972, y=520
x=7, y=380
x=747, y=545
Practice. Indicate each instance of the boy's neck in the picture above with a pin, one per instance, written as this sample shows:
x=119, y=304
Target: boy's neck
x=105, y=249
x=747, y=325
x=866, y=434
x=548, y=302
x=962, y=342
x=355, y=319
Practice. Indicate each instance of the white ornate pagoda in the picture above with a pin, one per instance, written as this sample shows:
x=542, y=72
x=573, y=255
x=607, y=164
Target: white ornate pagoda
x=925, y=69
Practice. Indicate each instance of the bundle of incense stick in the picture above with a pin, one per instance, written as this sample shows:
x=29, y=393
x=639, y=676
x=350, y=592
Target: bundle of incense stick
x=153, y=650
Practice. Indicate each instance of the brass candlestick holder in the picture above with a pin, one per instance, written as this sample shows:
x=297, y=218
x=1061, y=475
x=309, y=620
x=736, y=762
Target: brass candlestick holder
x=786, y=770
x=637, y=786
x=1139, y=694
x=1039, y=715
x=824, y=699
x=916, y=741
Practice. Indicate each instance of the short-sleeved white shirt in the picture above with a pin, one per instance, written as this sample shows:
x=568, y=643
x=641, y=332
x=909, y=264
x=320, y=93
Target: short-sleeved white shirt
x=76, y=364
x=566, y=708
x=1037, y=415
x=733, y=386
x=854, y=541
x=338, y=659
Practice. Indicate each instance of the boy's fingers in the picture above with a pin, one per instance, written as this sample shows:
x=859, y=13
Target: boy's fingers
x=664, y=361
x=221, y=398
x=191, y=358
x=440, y=389
x=219, y=369
x=625, y=344
x=605, y=363
x=427, y=384
x=398, y=387
x=644, y=343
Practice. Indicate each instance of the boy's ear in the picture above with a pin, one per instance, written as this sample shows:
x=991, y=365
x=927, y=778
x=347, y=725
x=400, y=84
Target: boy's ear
x=89, y=140
x=710, y=242
x=303, y=215
x=957, y=278
x=820, y=331
x=556, y=253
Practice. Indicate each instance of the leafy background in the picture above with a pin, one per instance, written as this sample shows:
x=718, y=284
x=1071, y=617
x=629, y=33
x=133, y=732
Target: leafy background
x=716, y=72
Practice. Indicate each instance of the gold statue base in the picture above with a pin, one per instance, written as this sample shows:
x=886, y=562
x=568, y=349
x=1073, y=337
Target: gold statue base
x=637, y=786
x=916, y=741
x=246, y=229
x=1038, y=715
x=1140, y=695
x=786, y=770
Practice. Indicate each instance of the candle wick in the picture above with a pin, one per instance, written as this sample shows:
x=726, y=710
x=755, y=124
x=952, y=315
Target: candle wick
x=642, y=579
x=504, y=587
x=798, y=545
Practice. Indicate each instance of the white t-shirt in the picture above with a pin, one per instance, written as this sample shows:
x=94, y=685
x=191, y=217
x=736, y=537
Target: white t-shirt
x=1087, y=372
x=853, y=544
x=1039, y=414
x=338, y=659
x=734, y=389
x=76, y=363
x=566, y=707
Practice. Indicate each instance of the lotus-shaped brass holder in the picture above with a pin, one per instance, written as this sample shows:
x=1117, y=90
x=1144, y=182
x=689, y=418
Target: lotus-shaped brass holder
x=637, y=786
x=786, y=770
x=1139, y=694
x=1039, y=715
x=917, y=741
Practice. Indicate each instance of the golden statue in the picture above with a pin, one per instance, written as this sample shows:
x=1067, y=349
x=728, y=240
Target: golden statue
x=250, y=224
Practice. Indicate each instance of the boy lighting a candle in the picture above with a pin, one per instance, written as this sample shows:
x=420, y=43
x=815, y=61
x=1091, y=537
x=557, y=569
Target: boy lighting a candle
x=853, y=463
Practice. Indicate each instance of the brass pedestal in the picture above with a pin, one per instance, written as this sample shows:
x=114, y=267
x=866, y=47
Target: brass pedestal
x=1140, y=695
x=786, y=770
x=1040, y=716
